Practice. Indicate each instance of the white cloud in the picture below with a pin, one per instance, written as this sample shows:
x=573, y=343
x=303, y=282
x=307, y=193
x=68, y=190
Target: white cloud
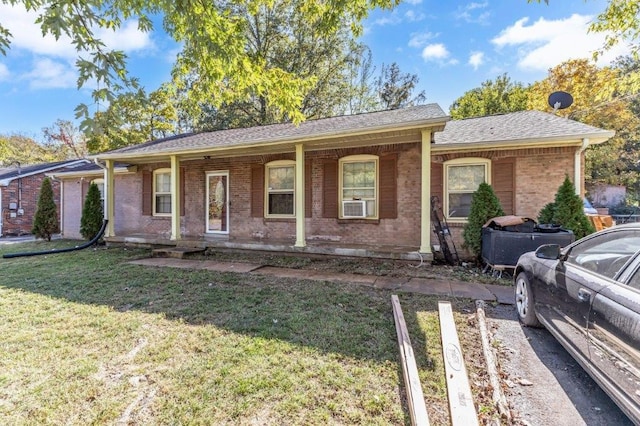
x=48, y=74
x=437, y=52
x=392, y=19
x=412, y=16
x=476, y=59
x=473, y=13
x=4, y=72
x=420, y=39
x=28, y=36
x=545, y=44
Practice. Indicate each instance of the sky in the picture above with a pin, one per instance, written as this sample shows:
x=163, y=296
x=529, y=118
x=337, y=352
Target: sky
x=452, y=46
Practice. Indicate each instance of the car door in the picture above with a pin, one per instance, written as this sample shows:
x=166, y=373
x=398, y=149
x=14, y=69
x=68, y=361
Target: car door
x=589, y=266
x=614, y=342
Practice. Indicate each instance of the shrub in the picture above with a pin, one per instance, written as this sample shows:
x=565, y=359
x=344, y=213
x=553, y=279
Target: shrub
x=92, y=213
x=45, y=221
x=484, y=206
x=567, y=211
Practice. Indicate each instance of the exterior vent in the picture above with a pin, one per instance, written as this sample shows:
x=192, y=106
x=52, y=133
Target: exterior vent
x=356, y=208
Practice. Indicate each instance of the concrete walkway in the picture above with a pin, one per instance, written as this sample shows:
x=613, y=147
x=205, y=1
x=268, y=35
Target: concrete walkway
x=438, y=287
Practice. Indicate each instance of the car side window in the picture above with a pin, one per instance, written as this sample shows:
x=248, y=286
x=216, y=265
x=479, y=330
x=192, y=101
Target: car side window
x=607, y=253
x=634, y=281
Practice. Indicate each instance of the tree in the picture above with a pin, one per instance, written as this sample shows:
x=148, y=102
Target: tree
x=492, y=97
x=134, y=118
x=395, y=89
x=92, y=213
x=484, y=206
x=20, y=149
x=45, y=220
x=214, y=40
x=601, y=99
x=65, y=140
x=620, y=21
x=567, y=211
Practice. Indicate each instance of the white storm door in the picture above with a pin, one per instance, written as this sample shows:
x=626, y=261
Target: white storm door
x=217, y=202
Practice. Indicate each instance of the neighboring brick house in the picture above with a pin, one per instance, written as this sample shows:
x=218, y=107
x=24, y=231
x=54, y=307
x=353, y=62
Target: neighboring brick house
x=354, y=185
x=19, y=190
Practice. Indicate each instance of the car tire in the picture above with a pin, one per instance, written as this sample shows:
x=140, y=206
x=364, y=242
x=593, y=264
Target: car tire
x=524, y=302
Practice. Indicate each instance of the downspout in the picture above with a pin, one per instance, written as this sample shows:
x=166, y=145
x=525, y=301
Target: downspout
x=61, y=204
x=104, y=176
x=1, y=212
x=577, y=166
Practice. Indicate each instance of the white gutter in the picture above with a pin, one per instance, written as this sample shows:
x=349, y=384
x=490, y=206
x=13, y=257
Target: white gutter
x=577, y=166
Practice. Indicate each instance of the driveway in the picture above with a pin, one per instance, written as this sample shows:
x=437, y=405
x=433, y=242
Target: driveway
x=545, y=385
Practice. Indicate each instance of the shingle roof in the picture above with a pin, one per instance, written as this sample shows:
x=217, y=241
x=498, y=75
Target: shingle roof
x=11, y=173
x=327, y=127
x=522, y=125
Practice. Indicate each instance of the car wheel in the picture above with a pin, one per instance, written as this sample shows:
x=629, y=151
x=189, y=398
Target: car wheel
x=524, y=302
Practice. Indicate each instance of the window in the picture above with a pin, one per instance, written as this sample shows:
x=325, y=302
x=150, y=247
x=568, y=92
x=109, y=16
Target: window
x=162, y=192
x=462, y=177
x=358, y=186
x=280, y=177
x=606, y=254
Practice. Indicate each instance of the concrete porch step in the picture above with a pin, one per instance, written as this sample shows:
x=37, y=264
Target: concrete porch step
x=175, y=252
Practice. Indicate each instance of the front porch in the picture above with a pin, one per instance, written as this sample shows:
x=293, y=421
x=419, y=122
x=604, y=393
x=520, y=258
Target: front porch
x=312, y=247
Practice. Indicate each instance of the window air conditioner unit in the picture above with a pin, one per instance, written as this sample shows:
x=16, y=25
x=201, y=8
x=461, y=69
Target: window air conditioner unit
x=355, y=208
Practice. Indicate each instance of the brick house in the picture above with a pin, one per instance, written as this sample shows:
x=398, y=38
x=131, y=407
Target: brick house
x=358, y=185
x=19, y=191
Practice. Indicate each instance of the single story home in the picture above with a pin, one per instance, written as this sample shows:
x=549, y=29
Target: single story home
x=19, y=191
x=358, y=185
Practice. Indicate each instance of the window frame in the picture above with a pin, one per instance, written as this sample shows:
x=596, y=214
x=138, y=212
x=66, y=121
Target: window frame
x=267, y=191
x=155, y=193
x=359, y=158
x=461, y=162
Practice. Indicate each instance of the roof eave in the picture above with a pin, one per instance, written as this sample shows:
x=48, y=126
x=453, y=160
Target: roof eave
x=437, y=124
x=569, y=140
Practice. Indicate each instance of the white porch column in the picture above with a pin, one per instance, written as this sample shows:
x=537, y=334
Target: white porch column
x=425, y=197
x=300, y=225
x=109, y=198
x=175, y=198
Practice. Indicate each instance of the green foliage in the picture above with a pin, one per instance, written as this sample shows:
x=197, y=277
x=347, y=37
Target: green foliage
x=567, y=211
x=92, y=213
x=24, y=150
x=546, y=214
x=45, y=221
x=214, y=39
x=492, y=97
x=484, y=206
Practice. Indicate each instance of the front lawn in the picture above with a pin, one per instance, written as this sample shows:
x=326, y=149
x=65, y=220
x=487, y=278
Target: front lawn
x=87, y=338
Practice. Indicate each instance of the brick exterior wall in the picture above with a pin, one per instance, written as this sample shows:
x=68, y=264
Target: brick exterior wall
x=26, y=198
x=538, y=174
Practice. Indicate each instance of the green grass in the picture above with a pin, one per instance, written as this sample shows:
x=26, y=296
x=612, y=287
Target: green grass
x=88, y=338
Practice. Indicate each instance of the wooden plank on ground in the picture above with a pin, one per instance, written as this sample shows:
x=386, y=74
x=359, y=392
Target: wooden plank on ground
x=461, y=408
x=415, y=397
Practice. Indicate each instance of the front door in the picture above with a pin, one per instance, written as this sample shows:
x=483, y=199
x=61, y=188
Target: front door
x=218, y=202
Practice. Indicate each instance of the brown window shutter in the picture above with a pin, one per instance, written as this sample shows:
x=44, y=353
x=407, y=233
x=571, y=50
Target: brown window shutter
x=330, y=189
x=257, y=190
x=182, y=187
x=437, y=178
x=308, y=189
x=388, y=203
x=503, y=183
x=147, y=192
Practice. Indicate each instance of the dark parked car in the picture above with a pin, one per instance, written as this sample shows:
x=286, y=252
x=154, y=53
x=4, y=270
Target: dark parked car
x=588, y=296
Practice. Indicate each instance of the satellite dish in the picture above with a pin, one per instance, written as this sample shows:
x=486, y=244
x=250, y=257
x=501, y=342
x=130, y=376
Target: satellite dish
x=560, y=100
